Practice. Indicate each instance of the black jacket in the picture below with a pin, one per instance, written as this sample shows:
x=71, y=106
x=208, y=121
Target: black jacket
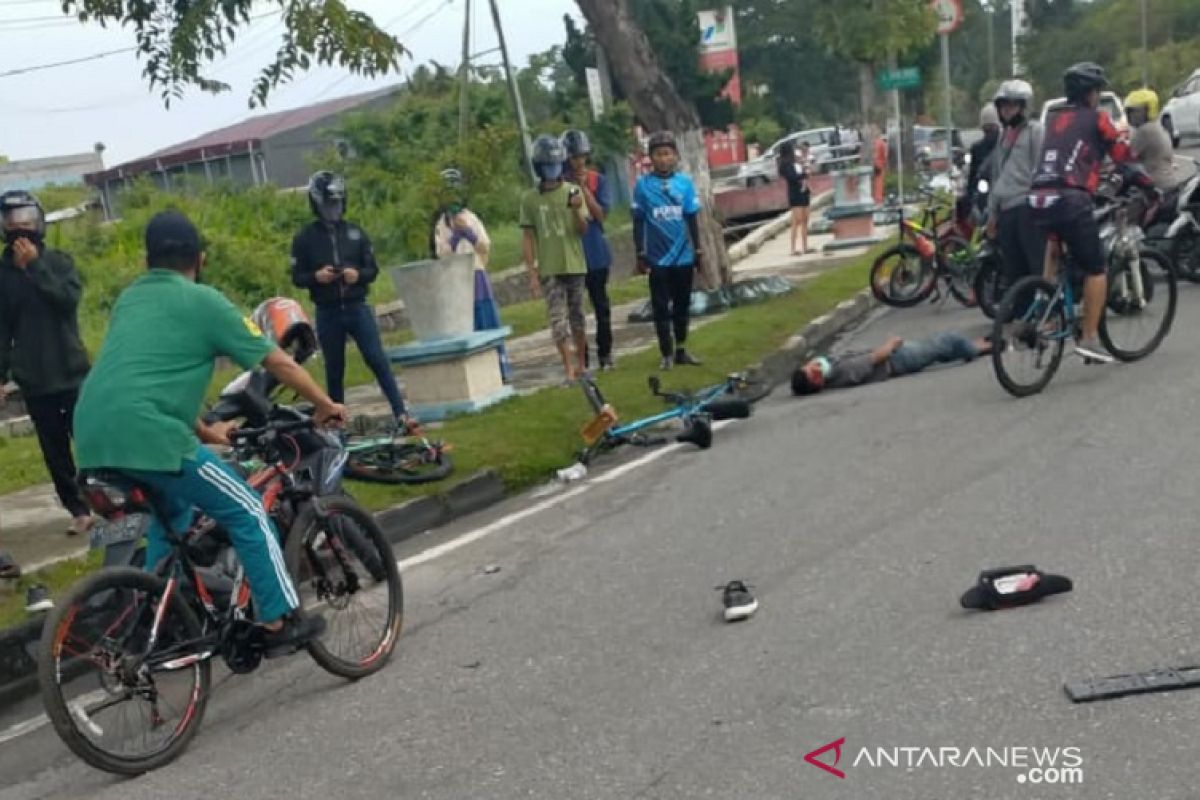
x=345, y=245
x=40, y=346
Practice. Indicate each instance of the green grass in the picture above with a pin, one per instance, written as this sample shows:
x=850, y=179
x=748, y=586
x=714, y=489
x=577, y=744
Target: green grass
x=56, y=578
x=526, y=438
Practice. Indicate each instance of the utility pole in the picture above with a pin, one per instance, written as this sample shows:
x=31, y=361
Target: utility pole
x=514, y=92
x=991, y=15
x=1145, y=49
x=464, y=78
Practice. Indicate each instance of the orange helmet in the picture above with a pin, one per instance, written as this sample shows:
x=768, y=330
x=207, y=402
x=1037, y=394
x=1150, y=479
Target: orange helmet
x=284, y=322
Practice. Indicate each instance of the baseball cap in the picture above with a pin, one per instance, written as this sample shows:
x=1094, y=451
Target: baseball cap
x=171, y=234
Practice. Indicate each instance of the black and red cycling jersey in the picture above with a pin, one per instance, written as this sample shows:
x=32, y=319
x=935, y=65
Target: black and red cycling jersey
x=1076, y=140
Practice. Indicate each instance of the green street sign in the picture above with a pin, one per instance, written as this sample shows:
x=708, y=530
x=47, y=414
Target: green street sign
x=903, y=78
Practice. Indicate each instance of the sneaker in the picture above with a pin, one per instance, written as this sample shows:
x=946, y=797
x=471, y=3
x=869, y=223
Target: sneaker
x=81, y=525
x=37, y=599
x=10, y=570
x=297, y=631
x=407, y=426
x=684, y=357
x=1092, y=351
x=606, y=363
x=739, y=603
x=665, y=363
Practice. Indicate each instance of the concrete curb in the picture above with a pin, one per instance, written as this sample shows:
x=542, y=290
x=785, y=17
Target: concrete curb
x=764, y=233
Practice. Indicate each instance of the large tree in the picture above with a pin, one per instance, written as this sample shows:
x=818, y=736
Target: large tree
x=179, y=39
x=658, y=105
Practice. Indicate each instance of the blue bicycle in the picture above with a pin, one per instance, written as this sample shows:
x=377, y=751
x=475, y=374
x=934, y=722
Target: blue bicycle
x=730, y=399
x=1037, y=317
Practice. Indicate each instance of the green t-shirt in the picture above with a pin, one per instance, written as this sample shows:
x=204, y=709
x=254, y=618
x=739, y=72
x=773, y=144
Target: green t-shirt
x=559, y=244
x=139, y=405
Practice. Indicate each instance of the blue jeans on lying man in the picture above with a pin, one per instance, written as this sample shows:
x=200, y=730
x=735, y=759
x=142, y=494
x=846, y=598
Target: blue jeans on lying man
x=939, y=348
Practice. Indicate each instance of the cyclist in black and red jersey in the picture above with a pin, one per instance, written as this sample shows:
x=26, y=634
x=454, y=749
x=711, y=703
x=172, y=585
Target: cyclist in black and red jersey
x=1077, y=138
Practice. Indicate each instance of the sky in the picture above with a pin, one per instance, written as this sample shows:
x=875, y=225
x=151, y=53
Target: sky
x=69, y=109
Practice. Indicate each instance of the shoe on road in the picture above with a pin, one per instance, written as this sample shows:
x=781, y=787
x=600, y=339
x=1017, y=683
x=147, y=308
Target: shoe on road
x=1092, y=351
x=37, y=599
x=739, y=603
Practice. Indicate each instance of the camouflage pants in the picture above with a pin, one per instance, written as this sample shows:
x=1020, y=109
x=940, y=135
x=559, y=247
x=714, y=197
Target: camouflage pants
x=564, y=304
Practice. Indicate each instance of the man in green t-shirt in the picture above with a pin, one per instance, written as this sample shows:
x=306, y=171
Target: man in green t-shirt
x=555, y=220
x=138, y=413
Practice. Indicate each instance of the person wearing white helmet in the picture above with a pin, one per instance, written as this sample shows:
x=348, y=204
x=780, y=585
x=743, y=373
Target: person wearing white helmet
x=1022, y=243
x=982, y=152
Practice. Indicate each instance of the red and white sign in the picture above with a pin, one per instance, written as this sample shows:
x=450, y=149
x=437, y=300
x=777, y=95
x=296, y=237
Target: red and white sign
x=949, y=15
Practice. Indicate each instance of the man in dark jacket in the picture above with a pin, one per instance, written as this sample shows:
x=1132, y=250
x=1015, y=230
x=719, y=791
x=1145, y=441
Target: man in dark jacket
x=40, y=347
x=333, y=259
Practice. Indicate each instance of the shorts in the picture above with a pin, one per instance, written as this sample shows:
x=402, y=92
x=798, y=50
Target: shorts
x=799, y=199
x=1069, y=220
x=564, y=304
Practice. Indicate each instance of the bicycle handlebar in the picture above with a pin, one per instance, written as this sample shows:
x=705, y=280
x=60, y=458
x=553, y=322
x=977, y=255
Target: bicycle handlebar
x=243, y=436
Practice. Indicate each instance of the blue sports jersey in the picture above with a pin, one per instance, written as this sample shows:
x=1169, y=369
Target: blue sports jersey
x=661, y=205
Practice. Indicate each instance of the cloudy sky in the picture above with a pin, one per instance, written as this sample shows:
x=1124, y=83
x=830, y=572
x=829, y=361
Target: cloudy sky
x=68, y=109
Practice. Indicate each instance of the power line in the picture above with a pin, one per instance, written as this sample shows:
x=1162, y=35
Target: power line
x=51, y=65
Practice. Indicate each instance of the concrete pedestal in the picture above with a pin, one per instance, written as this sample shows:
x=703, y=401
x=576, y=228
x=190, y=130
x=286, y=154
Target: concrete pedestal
x=853, y=211
x=453, y=375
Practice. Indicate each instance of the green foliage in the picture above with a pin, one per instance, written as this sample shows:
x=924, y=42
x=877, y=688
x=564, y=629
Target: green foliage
x=59, y=196
x=867, y=32
x=763, y=130
x=178, y=40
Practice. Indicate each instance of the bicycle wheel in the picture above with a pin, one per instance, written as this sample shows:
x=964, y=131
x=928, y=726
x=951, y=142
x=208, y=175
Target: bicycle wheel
x=991, y=283
x=342, y=562
x=727, y=408
x=900, y=278
x=1028, y=336
x=116, y=710
x=389, y=461
x=1185, y=253
x=959, y=267
x=1137, y=318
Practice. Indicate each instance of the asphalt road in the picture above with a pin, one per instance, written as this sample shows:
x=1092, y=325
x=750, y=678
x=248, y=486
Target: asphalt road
x=594, y=664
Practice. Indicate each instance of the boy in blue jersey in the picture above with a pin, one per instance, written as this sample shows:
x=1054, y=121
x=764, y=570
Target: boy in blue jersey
x=667, y=237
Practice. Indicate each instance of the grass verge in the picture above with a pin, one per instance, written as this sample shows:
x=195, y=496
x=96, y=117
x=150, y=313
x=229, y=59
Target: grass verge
x=526, y=438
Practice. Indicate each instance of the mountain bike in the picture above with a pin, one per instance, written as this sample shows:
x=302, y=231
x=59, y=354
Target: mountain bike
x=730, y=399
x=125, y=659
x=929, y=252
x=1037, y=317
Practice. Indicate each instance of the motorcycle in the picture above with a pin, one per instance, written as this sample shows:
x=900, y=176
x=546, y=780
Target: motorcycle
x=1176, y=227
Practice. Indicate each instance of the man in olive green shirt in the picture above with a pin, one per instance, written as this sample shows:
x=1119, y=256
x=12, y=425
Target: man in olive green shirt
x=138, y=413
x=555, y=220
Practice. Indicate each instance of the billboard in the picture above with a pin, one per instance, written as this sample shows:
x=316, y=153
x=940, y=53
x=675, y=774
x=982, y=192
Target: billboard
x=718, y=52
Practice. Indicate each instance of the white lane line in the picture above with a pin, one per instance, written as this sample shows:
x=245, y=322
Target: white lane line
x=24, y=728
x=31, y=725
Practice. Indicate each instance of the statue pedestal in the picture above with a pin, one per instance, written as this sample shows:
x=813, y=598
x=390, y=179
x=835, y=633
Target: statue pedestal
x=453, y=374
x=853, y=210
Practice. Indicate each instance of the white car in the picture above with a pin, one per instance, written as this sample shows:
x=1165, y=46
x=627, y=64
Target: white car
x=765, y=168
x=1109, y=101
x=1181, y=114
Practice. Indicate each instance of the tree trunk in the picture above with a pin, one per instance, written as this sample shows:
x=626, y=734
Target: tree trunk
x=866, y=92
x=659, y=107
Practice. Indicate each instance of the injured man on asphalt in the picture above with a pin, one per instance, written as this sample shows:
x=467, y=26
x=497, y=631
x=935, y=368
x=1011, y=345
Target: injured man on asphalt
x=893, y=358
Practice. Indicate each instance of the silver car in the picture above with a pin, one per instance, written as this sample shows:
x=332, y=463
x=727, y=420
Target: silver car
x=1181, y=114
x=824, y=155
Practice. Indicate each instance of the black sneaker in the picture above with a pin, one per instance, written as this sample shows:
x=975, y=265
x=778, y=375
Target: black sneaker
x=739, y=603
x=10, y=570
x=37, y=599
x=684, y=357
x=297, y=631
x=606, y=363
x=665, y=363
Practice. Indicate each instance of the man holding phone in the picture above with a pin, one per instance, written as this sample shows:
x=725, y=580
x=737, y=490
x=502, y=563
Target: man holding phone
x=333, y=259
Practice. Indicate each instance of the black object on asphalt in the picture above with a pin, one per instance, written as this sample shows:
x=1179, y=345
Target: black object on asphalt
x=739, y=603
x=1008, y=587
x=1156, y=680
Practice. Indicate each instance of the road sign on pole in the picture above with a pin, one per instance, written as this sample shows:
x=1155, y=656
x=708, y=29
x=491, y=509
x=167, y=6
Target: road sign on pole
x=949, y=15
x=902, y=78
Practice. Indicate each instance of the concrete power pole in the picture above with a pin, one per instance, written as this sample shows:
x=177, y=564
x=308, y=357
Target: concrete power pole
x=1020, y=27
x=514, y=92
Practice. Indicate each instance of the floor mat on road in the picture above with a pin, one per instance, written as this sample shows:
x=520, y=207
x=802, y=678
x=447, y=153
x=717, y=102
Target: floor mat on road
x=1155, y=680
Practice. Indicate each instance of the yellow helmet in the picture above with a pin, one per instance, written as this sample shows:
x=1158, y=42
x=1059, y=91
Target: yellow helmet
x=1144, y=97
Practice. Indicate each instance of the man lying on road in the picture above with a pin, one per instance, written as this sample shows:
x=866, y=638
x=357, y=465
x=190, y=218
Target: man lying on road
x=893, y=358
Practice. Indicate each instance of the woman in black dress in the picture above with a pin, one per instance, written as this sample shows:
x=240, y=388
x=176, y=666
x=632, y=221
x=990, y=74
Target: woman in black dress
x=793, y=168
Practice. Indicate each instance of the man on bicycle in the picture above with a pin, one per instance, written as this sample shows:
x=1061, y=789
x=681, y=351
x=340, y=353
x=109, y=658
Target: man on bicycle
x=1077, y=137
x=138, y=414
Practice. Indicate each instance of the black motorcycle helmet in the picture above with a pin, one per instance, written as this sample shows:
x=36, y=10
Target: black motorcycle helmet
x=327, y=196
x=1081, y=78
x=576, y=143
x=22, y=216
x=548, y=156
